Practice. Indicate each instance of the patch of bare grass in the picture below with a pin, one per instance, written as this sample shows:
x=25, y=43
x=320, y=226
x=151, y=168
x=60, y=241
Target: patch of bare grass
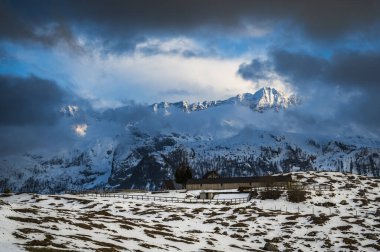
x=153, y=233
x=25, y=220
x=173, y=217
x=342, y=228
x=239, y=225
x=26, y=210
x=319, y=220
x=270, y=194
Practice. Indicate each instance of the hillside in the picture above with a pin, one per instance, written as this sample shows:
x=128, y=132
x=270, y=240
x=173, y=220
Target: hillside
x=140, y=146
x=345, y=218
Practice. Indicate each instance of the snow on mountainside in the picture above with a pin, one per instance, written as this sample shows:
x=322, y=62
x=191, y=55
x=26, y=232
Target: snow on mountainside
x=133, y=147
x=265, y=98
x=69, y=110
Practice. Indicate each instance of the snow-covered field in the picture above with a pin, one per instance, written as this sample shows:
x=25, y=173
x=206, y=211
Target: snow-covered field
x=344, y=219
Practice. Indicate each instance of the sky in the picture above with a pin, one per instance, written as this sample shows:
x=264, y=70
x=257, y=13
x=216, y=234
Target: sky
x=111, y=53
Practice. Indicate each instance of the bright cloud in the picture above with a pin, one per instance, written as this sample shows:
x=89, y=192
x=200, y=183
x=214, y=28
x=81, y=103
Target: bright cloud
x=80, y=129
x=109, y=80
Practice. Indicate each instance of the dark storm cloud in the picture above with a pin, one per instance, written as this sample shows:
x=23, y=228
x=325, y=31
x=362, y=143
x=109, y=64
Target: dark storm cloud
x=342, y=89
x=355, y=68
x=294, y=66
x=30, y=115
x=21, y=139
x=300, y=66
x=28, y=23
x=344, y=68
x=49, y=21
x=31, y=100
x=255, y=70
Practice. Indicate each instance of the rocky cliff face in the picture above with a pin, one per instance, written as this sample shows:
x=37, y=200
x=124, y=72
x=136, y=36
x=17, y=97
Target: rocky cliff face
x=153, y=159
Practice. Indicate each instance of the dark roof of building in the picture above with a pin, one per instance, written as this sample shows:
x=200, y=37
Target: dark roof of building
x=262, y=179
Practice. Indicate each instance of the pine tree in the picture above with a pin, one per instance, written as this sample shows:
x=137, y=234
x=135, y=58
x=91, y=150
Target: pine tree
x=183, y=173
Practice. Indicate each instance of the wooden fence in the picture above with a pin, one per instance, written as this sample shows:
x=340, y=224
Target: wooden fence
x=123, y=194
x=168, y=199
x=317, y=187
x=314, y=187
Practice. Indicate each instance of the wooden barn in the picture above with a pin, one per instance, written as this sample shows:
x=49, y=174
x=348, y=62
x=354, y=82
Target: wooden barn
x=239, y=182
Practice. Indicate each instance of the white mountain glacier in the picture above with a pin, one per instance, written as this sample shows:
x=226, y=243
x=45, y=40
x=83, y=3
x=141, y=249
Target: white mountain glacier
x=139, y=146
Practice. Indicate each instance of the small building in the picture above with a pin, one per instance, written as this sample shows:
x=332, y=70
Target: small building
x=239, y=182
x=211, y=175
x=171, y=185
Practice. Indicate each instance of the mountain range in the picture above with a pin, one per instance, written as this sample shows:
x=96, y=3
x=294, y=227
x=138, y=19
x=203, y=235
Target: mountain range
x=265, y=98
x=138, y=146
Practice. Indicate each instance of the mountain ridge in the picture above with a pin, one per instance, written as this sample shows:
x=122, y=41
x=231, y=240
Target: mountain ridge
x=132, y=147
x=263, y=99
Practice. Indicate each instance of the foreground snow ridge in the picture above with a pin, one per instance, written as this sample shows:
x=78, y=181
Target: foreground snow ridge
x=343, y=219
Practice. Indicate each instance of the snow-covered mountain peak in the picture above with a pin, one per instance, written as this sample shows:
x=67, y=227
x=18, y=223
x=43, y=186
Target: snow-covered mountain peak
x=69, y=110
x=264, y=98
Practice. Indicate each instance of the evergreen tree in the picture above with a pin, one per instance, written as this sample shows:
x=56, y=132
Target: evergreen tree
x=183, y=173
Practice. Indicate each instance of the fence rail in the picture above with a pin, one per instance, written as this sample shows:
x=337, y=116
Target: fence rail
x=313, y=187
x=318, y=187
x=168, y=199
